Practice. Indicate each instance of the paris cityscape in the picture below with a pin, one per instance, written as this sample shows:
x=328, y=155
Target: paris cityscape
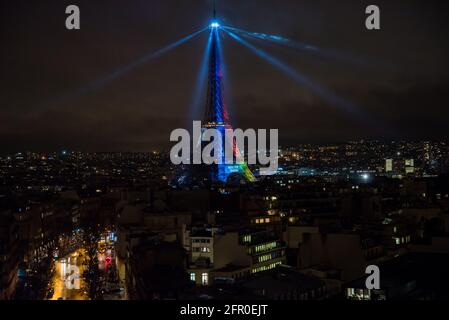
x=94, y=207
x=380, y=203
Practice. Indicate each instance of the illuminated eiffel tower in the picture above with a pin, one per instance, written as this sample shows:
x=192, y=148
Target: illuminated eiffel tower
x=217, y=117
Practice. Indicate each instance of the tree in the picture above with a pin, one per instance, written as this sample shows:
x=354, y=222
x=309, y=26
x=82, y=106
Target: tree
x=91, y=274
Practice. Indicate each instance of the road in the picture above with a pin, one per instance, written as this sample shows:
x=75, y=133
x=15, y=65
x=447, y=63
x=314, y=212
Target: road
x=112, y=286
x=63, y=289
x=112, y=277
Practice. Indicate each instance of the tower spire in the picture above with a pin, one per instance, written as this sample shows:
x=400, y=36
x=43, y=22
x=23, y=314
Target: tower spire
x=215, y=11
x=216, y=111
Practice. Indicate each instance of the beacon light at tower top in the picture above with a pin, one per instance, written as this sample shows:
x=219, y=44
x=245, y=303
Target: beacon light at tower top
x=214, y=25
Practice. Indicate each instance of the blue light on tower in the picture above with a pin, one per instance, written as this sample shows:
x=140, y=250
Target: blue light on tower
x=214, y=25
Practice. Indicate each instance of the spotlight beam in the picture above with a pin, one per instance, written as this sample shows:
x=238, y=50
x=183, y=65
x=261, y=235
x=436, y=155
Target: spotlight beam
x=323, y=53
x=121, y=71
x=258, y=35
x=201, y=80
x=304, y=80
x=143, y=60
x=227, y=100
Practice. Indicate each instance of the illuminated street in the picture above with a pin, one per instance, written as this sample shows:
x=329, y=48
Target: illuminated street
x=112, y=288
x=109, y=285
x=58, y=282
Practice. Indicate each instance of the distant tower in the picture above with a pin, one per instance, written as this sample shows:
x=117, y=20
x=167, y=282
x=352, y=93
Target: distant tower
x=216, y=113
x=215, y=117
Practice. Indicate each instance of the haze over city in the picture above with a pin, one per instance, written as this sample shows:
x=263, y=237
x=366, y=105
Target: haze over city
x=401, y=84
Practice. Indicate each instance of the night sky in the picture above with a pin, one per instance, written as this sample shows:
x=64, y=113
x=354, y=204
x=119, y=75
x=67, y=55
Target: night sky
x=403, y=88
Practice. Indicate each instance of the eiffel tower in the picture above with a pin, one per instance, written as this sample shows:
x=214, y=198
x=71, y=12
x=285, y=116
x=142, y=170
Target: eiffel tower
x=216, y=117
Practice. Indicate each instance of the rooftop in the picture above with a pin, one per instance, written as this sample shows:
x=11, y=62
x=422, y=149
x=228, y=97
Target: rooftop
x=282, y=279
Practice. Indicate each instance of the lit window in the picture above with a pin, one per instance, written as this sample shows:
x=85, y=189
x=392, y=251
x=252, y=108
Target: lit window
x=193, y=276
x=204, y=279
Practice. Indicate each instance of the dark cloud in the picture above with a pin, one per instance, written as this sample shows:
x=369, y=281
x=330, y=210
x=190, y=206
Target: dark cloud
x=404, y=87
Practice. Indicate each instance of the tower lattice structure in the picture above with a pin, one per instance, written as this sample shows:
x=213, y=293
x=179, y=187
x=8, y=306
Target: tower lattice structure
x=217, y=117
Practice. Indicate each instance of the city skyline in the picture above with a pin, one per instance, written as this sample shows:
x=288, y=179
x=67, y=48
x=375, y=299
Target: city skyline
x=216, y=156
x=403, y=87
